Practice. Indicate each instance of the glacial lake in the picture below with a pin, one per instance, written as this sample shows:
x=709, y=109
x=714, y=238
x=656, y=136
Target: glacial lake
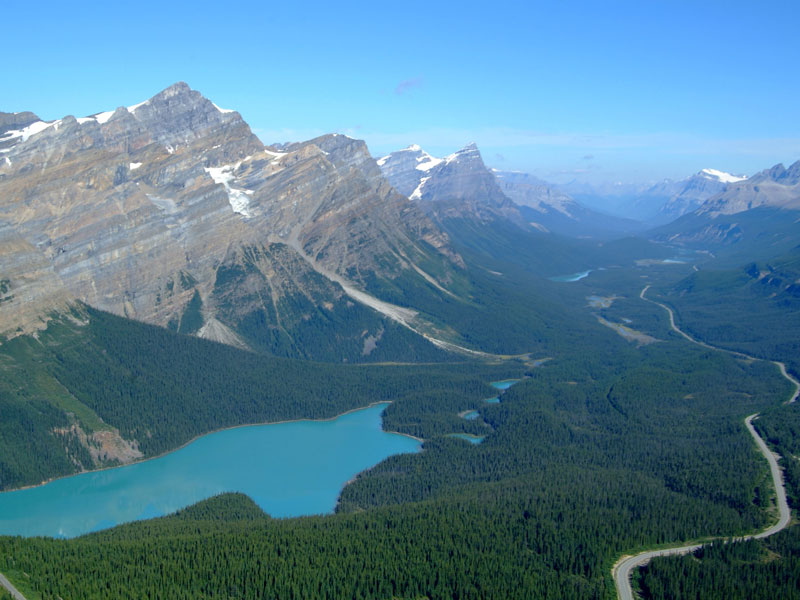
x=288, y=469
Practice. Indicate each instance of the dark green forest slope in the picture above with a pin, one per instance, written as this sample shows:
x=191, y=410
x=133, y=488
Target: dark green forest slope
x=753, y=309
x=627, y=436
x=162, y=389
x=596, y=453
x=752, y=570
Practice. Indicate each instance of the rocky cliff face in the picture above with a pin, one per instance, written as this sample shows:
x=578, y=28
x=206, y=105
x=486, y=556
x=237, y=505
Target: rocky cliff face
x=457, y=186
x=138, y=210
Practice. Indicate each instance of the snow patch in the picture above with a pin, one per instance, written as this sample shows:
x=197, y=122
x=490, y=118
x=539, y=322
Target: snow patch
x=28, y=131
x=238, y=199
x=169, y=149
x=223, y=110
x=134, y=166
x=466, y=150
x=722, y=176
x=82, y=120
x=426, y=162
x=417, y=193
x=103, y=116
x=382, y=161
x=133, y=108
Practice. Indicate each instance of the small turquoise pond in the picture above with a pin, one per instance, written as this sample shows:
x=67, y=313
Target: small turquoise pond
x=288, y=469
x=504, y=385
x=495, y=400
x=472, y=439
x=471, y=415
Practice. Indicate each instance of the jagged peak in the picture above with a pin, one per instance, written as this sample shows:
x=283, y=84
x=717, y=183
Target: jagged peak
x=468, y=152
x=176, y=89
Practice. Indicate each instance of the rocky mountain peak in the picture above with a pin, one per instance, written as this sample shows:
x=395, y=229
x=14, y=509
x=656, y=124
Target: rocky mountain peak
x=780, y=174
x=776, y=187
x=774, y=173
x=172, y=205
x=470, y=151
x=459, y=185
x=176, y=89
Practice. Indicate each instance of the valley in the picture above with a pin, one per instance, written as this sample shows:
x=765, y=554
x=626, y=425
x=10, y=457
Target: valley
x=222, y=283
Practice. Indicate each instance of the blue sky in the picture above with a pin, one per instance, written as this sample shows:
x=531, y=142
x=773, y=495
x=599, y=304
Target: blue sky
x=595, y=91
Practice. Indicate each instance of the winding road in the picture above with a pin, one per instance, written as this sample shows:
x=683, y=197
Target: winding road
x=624, y=567
x=11, y=589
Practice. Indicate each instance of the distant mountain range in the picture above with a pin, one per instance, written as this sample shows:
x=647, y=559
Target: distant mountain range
x=658, y=203
x=461, y=185
x=172, y=212
x=749, y=219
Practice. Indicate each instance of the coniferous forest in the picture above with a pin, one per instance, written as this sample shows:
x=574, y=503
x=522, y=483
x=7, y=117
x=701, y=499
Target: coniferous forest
x=605, y=446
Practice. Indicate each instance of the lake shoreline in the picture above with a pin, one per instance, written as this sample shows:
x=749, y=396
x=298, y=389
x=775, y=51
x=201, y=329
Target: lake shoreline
x=197, y=437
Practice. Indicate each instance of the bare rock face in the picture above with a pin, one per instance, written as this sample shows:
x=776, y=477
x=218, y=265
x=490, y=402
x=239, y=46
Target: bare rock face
x=695, y=190
x=777, y=187
x=457, y=186
x=29, y=287
x=137, y=210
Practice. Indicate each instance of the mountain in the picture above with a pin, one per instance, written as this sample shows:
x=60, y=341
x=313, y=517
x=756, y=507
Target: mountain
x=457, y=186
x=172, y=212
x=750, y=219
x=777, y=187
x=695, y=190
x=654, y=203
x=547, y=207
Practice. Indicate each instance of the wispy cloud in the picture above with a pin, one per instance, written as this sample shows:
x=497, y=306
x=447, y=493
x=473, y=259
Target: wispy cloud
x=408, y=85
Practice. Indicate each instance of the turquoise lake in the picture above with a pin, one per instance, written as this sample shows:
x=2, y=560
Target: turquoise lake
x=288, y=469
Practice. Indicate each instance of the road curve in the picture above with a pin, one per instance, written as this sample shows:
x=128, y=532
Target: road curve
x=11, y=589
x=622, y=570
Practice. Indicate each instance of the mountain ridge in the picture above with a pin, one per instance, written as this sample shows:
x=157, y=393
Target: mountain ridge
x=136, y=210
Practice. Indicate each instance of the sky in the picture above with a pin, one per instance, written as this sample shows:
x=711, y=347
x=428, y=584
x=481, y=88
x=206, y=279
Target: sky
x=588, y=91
